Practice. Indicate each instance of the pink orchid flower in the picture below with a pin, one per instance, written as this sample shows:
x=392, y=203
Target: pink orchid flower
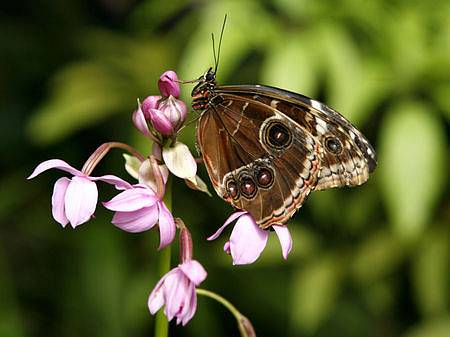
x=138, y=209
x=74, y=200
x=176, y=290
x=247, y=240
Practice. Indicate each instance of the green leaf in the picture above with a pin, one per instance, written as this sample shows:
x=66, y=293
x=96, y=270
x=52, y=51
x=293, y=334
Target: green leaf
x=314, y=291
x=441, y=95
x=352, y=84
x=235, y=45
x=377, y=256
x=430, y=273
x=82, y=94
x=11, y=323
x=407, y=45
x=291, y=64
x=411, y=166
x=434, y=328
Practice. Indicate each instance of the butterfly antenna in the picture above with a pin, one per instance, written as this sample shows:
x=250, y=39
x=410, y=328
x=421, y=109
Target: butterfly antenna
x=214, y=50
x=220, y=43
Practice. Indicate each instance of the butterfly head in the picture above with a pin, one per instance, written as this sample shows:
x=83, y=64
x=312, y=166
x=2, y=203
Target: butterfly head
x=203, y=90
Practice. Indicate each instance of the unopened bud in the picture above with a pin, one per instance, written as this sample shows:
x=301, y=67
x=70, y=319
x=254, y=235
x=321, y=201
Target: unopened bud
x=168, y=84
x=175, y=111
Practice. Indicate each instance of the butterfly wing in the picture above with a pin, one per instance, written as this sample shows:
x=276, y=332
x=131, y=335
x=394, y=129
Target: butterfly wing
x=346, y=156
x=258, y=159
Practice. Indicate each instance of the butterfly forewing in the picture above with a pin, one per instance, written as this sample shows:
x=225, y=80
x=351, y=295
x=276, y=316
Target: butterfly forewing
x=354, y=159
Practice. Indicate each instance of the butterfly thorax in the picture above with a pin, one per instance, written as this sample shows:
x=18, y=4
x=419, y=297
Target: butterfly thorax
x=204, y=91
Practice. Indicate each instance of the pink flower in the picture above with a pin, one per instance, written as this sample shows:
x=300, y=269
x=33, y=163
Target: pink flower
x=74, y=200
x=247, y=240
x=138, y=209
x=176, y=290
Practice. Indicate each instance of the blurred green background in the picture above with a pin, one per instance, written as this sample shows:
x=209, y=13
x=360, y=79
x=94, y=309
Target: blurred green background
x=368, y=261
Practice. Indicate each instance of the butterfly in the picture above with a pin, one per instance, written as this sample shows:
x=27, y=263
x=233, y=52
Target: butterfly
x=266, y=149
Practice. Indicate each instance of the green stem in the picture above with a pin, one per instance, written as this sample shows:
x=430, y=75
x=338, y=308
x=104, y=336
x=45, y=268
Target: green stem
x=245, y=326
x=161, y=322
x=221, y=300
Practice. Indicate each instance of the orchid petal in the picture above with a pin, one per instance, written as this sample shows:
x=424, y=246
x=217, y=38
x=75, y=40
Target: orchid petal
x=194, y=271
x=54, y=163
x=132, y=200
x=168, y=84
x=132, y=165
x=147, y=177
x=156, y=298
x=167, y=227
x=174, y=291
x=80, y=200
x=59, y=192
x=226, y=248
x=140, y=123
x=186, y=301
x=230, y=219
x=157, y=151
x=119, y=183
x=136, y=221
x=150, y=102
x=285, y=239
x=175, y=110
x=160, y=122
x=180, y=161
x=192, y=306
x=199, y=185
x=247, y=240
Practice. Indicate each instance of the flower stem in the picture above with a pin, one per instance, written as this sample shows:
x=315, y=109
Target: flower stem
x=161, y=322
x=245, y=327
x=102, y=150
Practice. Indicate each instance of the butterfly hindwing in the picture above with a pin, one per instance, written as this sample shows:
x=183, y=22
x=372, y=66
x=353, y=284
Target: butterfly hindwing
x=252, y=169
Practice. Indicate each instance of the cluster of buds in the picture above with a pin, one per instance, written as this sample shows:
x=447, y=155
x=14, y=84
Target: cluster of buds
x=162, y=116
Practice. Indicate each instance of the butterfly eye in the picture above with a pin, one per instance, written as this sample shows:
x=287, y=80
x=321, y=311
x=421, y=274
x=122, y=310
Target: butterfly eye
x=210, y=76
x=333, y=145
x=278, y=135
x=264, y=177
x=248, y=187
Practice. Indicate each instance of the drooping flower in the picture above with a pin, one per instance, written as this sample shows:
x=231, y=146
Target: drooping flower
x=176, y=290
x=247, y=240
x=140, y=207
x=74, y=200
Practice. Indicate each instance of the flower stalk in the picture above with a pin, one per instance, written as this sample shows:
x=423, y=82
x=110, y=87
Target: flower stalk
x=245, y=326
x=102, y=151
x=161, y=322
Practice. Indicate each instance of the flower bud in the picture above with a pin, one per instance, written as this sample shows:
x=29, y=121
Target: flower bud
x=160, y=122
x=168, y=84
x=175, y=110
x=245, y=327
x=150, y=102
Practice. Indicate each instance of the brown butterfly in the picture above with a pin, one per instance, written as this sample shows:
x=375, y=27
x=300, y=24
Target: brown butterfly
x=265, y=149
